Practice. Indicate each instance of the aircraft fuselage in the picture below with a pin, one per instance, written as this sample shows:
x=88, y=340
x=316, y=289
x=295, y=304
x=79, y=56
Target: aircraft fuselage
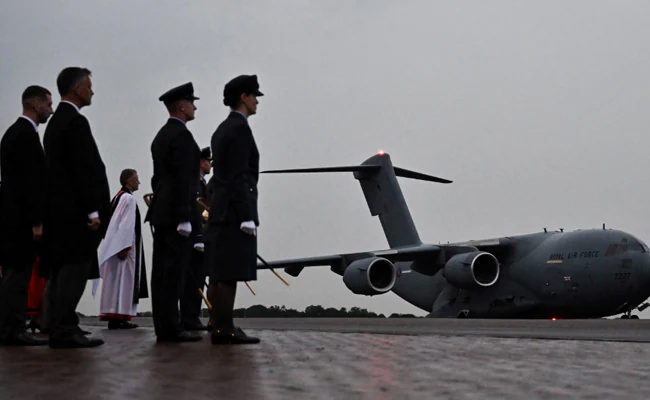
x=579, y=274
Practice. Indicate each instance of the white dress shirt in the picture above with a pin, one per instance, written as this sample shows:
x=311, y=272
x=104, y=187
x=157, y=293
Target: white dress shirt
x=72, y=104
x=31, y=121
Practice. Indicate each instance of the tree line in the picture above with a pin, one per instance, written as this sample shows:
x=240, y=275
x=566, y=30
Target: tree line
x=261, y=311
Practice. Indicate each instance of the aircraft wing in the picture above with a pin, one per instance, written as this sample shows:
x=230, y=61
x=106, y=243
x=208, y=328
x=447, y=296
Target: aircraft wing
x=484, y=243
x=339, y=262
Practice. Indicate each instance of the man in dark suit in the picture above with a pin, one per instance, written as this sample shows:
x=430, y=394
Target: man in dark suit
x=191, y=299
x=173, y=212
x=231, y=235
x=77, y=208
x=22, y=165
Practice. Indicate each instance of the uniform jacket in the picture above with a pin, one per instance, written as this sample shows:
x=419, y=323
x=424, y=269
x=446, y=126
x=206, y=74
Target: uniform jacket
x=176, y=166
x=233, y=186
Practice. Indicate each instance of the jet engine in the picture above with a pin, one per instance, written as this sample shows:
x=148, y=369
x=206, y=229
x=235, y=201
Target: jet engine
x=370, y=276
x=472, y=270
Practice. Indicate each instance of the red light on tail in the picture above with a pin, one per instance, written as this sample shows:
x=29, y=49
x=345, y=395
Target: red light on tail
x=381, y=152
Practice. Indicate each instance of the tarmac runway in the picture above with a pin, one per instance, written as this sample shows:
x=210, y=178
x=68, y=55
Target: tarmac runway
x=348, y=358
x=593, y=329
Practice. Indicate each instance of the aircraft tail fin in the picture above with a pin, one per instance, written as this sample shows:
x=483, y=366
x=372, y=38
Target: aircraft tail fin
x=378, y=179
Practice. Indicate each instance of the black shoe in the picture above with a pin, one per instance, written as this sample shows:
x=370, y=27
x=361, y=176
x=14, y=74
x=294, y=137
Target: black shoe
x=194, y=326
x=121, y=325
x=180, y=337
x=232, y=336
x=81, y=331
x=23, y=339
x=74, y=341
x=128, y=325
x=33, y=325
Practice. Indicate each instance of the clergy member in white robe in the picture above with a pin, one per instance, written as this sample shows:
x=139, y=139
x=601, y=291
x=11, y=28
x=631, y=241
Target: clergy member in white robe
x=121, y=258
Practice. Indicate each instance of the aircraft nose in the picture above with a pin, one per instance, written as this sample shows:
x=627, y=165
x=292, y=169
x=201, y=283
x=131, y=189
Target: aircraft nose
x=645, y=270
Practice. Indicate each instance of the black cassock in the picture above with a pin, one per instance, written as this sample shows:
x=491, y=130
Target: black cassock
x=140, y=290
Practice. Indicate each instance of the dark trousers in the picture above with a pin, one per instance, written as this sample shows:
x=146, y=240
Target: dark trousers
x=171, y=258
x=13, y=299
x=67, y=285
x=191, y=299
x=46, y=308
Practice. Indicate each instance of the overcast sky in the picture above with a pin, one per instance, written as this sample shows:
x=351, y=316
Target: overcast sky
x=539, y=112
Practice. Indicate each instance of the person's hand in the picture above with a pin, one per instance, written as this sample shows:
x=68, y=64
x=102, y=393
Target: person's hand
x=184, y=228
x=37, y=232
x=122, y=254
x=94, y=224
x=249, y=227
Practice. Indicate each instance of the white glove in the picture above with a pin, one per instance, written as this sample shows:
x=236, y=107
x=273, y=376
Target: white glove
x=184, y=228
x=249, y=227
x=199, y=247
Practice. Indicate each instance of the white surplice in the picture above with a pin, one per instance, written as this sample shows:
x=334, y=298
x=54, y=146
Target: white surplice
x=118, y=276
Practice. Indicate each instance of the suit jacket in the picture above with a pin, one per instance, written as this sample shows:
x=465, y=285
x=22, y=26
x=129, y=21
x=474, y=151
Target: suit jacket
x=22, y=162
x=176, y=165
x=233, y=187
x=76, y=185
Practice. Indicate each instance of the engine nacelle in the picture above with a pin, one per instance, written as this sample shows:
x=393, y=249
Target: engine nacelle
x=472, y=270
x=370, y=276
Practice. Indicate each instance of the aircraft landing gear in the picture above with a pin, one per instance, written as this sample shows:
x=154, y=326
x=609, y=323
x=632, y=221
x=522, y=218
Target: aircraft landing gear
x=628, y=315
x=463, y=314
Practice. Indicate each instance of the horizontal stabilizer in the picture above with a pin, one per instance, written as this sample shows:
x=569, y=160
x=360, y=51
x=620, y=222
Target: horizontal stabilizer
x=352, y=168
x=378, y=179
x=405, y=173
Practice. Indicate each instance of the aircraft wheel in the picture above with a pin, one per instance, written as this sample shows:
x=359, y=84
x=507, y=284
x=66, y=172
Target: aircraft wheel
x=634, y=317
x=463, y=314
x=625, y=316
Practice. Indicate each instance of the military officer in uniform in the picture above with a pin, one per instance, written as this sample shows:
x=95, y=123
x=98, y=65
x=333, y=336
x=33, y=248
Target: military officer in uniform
x=231, y=235
x=191, y=299
x=173, y=212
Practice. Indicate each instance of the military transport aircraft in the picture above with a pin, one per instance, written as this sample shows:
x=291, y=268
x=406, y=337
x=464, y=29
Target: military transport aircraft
x=581, y=274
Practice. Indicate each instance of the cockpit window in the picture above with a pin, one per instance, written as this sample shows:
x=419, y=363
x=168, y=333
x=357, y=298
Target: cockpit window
x=645, y=247
x=616, y=248
x=637, y=245
x=629, y=244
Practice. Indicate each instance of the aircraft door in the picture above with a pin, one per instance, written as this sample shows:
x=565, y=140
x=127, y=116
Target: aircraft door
x=577, y=281
x=553, y=283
